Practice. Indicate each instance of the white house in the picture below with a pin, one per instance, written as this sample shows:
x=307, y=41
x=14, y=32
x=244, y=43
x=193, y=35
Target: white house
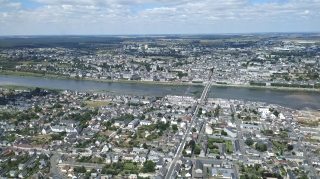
x=133, y=123
x=270, y=153
x=221, y=173
x=208, y=130
x=145, y=123
x=230, y=132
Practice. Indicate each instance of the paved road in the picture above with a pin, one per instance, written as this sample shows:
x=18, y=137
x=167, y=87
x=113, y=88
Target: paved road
x=54, y=163
x=80, y=164
x=181, y=146
x=305, y=155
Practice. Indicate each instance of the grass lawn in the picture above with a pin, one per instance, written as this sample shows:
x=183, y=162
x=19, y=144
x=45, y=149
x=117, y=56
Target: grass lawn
x=41, y=139
x=129, y=166
x=279, y=145
x=229, y=146
x=107, y=132
x=63, y=65
x=96, y=160
x=183, y=173
x=93, y=104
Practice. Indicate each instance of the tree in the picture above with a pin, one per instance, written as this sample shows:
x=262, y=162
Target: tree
x=184, y=152
x=290, y=147
x=180, y=74
x=249, y=141
x=194, y=129
x=80, y=169
x=174, y=127
x=144, y=145
x=148, y=167
x=179, y=120
x=197, y=150
x=261, y=147
x=224, y=133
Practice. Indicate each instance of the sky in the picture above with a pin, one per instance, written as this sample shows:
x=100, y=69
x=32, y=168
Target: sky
x=117, y=17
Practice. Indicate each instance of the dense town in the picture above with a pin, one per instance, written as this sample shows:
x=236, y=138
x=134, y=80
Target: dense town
x=267, y=62
x=48, y=133
x=70, y=134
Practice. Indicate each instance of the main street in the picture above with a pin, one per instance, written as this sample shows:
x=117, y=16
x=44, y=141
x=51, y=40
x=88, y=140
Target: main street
x=181, y=146
x=54, y=166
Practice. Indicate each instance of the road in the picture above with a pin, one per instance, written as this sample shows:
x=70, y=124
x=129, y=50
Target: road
x=181, y=146
x=54, y=163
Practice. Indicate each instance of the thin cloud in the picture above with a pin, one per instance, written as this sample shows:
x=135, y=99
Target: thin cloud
x=164, y=16
x=8, y=4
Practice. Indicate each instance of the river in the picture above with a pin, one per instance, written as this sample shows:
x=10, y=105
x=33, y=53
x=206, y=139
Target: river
x=292, y=99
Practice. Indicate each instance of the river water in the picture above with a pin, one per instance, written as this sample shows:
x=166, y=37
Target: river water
x=295, y=100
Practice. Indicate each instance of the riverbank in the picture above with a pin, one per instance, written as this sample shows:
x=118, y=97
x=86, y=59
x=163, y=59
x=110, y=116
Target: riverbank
x=20, y=87
x=34, y=75
x=174, y=83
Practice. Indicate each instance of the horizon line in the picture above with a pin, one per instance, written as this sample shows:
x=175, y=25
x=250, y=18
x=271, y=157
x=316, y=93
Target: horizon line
x=166, y=34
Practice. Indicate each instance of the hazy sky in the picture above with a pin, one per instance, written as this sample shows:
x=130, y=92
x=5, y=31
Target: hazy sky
x=86, y=17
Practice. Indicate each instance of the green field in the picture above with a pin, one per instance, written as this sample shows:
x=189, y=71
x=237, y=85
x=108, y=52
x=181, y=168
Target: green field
x=229, y=146
x=129, y=166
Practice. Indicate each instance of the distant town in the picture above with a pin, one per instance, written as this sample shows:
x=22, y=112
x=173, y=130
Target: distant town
x=52, y=133
x=271, y=61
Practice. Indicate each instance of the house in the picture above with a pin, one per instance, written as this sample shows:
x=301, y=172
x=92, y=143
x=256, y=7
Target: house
x=23, y=174
x=208, y=130
x=198, y=167
x=249, y=126
x=115, y=159
x=231, y=132
x=120, y=123
x=252, y=152
x=95, y=175
x=46, y=130
x=133, y=176
x=22, y=166
x=143, y=158
x=105, y=148
x=128, y=157
x=298, y=151
x=221, y=173
x=145, y=123
x=188, y=165
x=270, y=153
x=291, y=175
x=136, y=158
x=62, y=158
x=255, y=160
x=108, y=159
x=212, y=155
x=133, y=123
x=188, y=174
x=160, y=163
x=168, y=158
x=188, y=150
x=226, y=164
x=65, y=168
x=13, y=173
